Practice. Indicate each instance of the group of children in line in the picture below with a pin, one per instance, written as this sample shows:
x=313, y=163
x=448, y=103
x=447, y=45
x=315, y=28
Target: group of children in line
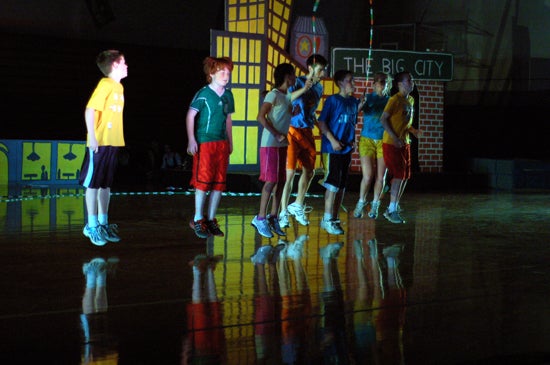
x=288, y=116
x=287, y=139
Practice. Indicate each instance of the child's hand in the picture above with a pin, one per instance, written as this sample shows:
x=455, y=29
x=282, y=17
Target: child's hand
x=337, y=145
x=192, y=148
x=93, y=144
x=416, y=132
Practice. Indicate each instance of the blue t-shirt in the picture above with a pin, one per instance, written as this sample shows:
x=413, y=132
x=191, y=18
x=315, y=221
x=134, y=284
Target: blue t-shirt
x=340, y=115
x=305, y=106
x=372, y=111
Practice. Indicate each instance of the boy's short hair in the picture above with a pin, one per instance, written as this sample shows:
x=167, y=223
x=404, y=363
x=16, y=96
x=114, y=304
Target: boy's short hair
x=281, y=71
x=213, y=64
x=380, y=77
x=400, y=76
x=340, y=75
x=316, y=59
x=105, y=60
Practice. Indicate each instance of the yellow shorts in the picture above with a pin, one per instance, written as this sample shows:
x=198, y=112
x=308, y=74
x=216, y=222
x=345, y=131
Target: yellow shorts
x=370, y=147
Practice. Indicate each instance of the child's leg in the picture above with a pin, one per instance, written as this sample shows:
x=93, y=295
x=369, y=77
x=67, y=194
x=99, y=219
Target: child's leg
x=276, y=202
x=200, y=198
x=329, y=203
x=104, y=197
x=338, y=199
x=266, y=195
x=92, y=206
x=213, y=203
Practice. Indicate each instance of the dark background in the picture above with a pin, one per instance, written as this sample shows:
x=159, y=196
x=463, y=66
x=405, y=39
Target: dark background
x=48, y=71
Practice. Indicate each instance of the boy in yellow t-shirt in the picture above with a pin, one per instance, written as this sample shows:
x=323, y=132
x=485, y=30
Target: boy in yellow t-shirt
x=103, y=116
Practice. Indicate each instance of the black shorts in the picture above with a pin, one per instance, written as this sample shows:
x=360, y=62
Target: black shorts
x=336, y=171
x=98, y=169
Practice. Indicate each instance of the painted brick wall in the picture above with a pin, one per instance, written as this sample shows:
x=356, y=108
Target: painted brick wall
x=430, y=120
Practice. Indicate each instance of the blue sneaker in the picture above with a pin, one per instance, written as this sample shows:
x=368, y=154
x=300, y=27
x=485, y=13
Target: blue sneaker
x=262, y=255
x=394, y=217
x=262, y=226
x=95, y=235
x=110, y=232
x=275, y=226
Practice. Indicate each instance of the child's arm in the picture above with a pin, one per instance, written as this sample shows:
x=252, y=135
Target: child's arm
x=192, y=146
x=229, y=132
x=362, y=102
x=296, y=94
x=336, y=144
x=384, y=119
x=90, y=128
x=416, y=132
x=266, y=123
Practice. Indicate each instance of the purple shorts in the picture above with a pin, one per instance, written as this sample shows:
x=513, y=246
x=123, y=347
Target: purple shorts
x=272, y=164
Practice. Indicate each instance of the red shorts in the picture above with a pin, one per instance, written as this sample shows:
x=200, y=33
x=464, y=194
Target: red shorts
x=398, y=160
x=272, y=164
x=301, y=148
x=204, y=324
x=210, y=166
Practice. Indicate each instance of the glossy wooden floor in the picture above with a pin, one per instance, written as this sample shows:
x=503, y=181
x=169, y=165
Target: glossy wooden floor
x=465, y=281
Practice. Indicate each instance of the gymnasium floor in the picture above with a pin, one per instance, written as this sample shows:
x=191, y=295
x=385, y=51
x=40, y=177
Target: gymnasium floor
x=465, y=281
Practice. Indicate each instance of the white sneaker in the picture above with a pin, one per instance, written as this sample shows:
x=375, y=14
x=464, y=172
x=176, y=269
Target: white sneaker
x=283, y=219
x=331, y=250
x=332, y=226
x=374, y=210
x=302, y=238
x=358, y=212
x=262, y=226
x=94, y=234
x=262, y=255
x=296, y=250
x=94, y=267
x=299, y=213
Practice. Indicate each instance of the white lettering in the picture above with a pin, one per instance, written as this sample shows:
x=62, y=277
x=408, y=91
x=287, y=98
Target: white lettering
x=391, y=66
x=422, y=66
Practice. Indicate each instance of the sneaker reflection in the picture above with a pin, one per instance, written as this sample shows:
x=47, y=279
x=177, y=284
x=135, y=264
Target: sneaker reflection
x=99, y=344
x=282, y=304
x=379, y=306
x=332, y=325
x=267, y=302
x=296, y=307
x=204, y=342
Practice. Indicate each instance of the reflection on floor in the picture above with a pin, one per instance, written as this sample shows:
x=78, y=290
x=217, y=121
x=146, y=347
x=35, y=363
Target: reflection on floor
x=465, y=281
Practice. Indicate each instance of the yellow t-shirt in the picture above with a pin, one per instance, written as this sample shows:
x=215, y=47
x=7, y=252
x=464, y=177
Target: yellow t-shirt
x=108, y=102
x=401, y=111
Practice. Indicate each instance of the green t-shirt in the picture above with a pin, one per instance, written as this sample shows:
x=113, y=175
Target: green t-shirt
x=212, y=112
